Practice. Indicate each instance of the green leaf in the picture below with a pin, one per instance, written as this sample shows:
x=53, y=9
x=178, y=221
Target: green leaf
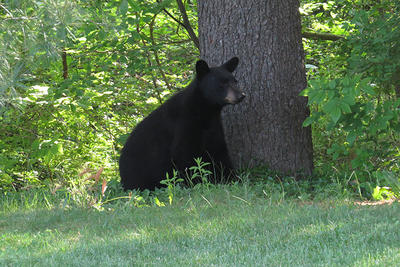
x=331, y=94
x=335, y=114
x=369, y=90
x=123, y=8
x=330, y=105
x=158, y=202
x=349, y=99
x=56, y=149
x=332, y=108
x=305, y=92
x=308, y=121
x=345, y=107
x=319, y=97
x=133, y=5
x=351, y=137
x=332, y=84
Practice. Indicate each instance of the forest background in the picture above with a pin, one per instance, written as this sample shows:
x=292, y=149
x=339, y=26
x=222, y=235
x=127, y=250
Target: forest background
x=77, y=76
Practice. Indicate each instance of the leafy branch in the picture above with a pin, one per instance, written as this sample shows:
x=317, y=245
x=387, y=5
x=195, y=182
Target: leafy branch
x=322, y=36
x=186, y=23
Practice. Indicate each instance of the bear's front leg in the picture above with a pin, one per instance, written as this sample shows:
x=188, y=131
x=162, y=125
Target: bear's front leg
x=217, y=151
x=186, y=145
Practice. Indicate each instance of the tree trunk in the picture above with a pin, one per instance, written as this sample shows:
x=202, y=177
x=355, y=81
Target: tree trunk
x=266, y=128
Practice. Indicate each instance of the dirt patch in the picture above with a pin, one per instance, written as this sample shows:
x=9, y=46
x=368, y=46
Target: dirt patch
x=376, y=203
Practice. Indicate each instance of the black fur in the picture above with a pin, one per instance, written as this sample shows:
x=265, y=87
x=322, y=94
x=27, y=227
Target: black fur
x=185, y=127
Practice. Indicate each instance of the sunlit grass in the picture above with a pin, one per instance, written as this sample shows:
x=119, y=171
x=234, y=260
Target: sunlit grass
x=221, y=226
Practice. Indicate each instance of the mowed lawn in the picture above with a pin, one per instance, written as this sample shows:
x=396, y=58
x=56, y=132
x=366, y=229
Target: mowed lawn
x=203, y=230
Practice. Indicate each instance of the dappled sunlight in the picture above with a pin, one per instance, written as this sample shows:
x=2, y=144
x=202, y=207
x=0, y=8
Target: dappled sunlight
x=376, y=203
x=203, y=235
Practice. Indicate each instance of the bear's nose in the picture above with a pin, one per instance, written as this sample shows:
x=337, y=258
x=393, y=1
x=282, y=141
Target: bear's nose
x=243, y=95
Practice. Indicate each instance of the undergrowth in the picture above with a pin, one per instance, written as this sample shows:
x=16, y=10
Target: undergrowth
x=257, y=183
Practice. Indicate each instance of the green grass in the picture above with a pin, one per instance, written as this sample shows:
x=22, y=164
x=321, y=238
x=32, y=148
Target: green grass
x=233, y=225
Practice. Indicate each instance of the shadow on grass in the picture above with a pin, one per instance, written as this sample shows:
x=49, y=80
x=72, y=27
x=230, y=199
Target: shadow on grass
x=239, y=234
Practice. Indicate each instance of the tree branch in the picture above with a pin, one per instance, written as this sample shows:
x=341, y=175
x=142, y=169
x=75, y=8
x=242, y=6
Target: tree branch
x=156, y=58
x=187, y=25
x=172, y=17
x=153, y=78
x=65, y=65
x=322, y=36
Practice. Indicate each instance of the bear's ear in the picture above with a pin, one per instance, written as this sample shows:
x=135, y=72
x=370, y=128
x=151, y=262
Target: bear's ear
x=231, y=64
x=202, y=68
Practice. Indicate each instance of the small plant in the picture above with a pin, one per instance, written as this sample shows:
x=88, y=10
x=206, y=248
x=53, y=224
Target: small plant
x=199, y=172
x=171, y=185
x=196, y=174
x=383, y=193
x=391, y=188
x=90, y=191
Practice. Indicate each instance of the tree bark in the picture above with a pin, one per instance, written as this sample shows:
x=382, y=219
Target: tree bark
x=266, y=128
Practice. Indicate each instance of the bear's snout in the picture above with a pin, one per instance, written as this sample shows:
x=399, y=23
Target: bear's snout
x=234, y=96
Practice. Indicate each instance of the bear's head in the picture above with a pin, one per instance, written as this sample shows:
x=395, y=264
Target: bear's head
x=218, y=85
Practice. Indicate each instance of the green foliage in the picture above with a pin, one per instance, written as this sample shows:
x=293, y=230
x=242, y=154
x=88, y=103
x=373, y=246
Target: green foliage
x=199, y=172
x=123, y=58
x=197, y=175
x=358, y=108
x=391, y=190
x=76, y=77
x=350, y=104
x=171, y=184
x=375, y=50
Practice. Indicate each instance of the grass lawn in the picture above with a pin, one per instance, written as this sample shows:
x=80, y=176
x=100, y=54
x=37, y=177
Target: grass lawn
x=214, y=227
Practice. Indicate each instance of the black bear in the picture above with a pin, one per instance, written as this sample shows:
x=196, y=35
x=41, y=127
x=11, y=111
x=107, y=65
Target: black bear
x=186, y=126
